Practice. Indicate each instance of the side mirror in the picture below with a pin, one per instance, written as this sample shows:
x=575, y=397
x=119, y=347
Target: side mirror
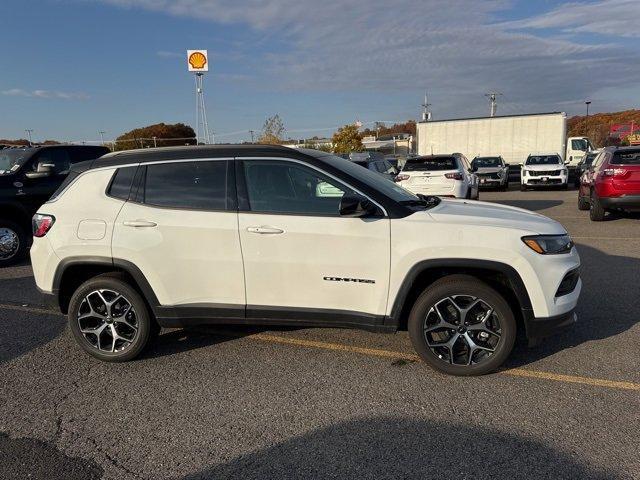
x=43, y=170
x=473, y=169
x=354, y=205
x=567, y=162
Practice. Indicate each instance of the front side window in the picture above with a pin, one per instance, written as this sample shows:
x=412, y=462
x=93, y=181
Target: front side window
x=285, y=187
x=58, y=157
x=197, y=185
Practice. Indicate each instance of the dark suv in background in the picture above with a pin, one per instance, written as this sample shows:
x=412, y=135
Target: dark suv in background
x=28, y=177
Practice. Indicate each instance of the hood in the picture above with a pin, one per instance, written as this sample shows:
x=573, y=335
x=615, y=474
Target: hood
x=469, y=212
x=538, y=168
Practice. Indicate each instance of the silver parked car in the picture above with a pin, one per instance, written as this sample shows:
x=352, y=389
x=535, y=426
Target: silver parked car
x=491, y=172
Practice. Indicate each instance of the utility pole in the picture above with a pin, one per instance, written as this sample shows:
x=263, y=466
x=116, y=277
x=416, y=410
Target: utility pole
x=251, y=133
x=102, y=132
x=586, y=122
x=493, y=96
x=29, y=132
x=426, y=114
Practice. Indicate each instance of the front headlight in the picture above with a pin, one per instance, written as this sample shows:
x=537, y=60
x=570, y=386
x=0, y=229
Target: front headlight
x=549, y=244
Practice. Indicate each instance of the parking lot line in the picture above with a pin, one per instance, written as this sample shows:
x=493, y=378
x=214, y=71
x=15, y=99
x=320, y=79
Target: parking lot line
x=300, y=342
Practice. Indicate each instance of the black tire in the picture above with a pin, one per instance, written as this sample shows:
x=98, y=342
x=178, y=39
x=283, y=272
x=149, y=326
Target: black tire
x=146, y=326
x=504, y=187
x=13, y=233
x=468, y=195
x=523, y=187
x=583, y=204
x=461, y=286
x=596, y=211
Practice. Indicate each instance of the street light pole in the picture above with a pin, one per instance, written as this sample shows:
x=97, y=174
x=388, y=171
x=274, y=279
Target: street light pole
x=102, y=132
x=29, y=132
x=586, y=122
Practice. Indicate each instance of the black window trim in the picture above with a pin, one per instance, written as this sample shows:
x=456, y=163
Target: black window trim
x=243, y=196
x=140, y=178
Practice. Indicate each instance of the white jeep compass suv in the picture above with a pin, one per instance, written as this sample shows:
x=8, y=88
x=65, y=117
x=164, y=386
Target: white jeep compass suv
x=264, y=235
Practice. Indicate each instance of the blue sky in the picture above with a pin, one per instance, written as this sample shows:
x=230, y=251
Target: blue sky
x=71, y=68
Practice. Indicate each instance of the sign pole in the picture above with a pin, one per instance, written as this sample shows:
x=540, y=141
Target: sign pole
x=197, y=62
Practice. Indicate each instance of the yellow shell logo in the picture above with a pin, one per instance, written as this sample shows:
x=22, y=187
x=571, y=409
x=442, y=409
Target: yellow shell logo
x=197, y=60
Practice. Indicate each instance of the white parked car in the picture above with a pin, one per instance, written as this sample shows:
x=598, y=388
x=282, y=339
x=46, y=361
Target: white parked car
x=544, y=170
x=267, y=235
x=441, y=175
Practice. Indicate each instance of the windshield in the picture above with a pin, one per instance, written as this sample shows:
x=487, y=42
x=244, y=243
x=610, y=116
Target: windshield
x=483, y=162
x=11, y=159
x=366, y=176
x=430, y=164
x=543, y=160
x=580, y=144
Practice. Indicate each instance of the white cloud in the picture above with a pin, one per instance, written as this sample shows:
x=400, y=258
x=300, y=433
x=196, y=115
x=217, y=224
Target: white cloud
x=457, y=48
x=19, y=92
x=618, y=18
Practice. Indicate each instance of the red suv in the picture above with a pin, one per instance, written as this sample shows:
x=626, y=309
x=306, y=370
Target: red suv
x=611, y=183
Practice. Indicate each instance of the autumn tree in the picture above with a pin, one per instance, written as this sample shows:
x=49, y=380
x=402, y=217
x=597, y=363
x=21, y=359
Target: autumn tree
x=165, y=135
x=272, y=131
x=347, y=139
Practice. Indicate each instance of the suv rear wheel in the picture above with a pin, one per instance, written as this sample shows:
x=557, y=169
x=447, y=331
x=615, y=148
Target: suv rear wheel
x=13, y=243
x=109, y=319
x=461, y=326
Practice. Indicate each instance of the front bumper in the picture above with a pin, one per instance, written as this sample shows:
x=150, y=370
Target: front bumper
x=539, y=328
x=487, y=182
x=630, y=202
x=544, y=181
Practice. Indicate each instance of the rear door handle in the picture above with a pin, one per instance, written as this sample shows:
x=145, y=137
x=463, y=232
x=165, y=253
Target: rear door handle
x=139, y=223
x=265, y=230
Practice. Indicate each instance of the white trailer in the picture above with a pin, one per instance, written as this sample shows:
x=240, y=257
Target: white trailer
x=513, y=137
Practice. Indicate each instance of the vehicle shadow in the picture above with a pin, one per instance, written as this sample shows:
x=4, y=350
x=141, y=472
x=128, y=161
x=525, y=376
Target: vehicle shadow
x=22, y=331
x=175, y=341
x=388, y=447
x=607, y=305
x=533, y=205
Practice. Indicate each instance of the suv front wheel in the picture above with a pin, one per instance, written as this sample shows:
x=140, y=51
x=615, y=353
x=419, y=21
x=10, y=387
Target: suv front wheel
x=461, y=326
x=109, y=319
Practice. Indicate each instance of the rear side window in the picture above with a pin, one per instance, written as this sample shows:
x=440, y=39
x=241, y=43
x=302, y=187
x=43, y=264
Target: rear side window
x=629, y=157
x=191, y=185
x=121, y=183
x=430, y=164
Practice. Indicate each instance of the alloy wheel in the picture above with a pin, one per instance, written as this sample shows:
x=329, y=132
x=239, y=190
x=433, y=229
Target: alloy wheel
x=462, y=330
x=9, y=243
x=108, y=321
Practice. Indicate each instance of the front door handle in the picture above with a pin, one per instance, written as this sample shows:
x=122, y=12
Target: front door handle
x=265, y=230
x=139, y=223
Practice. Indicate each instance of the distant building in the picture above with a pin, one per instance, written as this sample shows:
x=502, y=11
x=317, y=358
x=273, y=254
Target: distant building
x=399, y=143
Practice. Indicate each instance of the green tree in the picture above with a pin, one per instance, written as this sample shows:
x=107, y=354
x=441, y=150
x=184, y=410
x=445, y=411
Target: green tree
x=272, y=131
x=166, y=135
x=347, y=139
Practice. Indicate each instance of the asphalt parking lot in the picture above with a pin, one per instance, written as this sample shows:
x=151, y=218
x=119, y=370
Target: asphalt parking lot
x=311, y=403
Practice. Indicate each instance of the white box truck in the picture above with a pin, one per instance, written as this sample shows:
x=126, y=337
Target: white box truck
x=513, y=137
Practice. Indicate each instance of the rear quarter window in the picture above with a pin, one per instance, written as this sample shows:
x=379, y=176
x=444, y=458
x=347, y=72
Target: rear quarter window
x=121, y=183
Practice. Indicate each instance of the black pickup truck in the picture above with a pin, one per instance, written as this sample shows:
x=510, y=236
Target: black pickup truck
x=28, y=177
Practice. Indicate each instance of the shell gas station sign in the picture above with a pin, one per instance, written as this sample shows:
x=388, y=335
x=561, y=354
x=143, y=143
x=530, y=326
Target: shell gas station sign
x=197, y=61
